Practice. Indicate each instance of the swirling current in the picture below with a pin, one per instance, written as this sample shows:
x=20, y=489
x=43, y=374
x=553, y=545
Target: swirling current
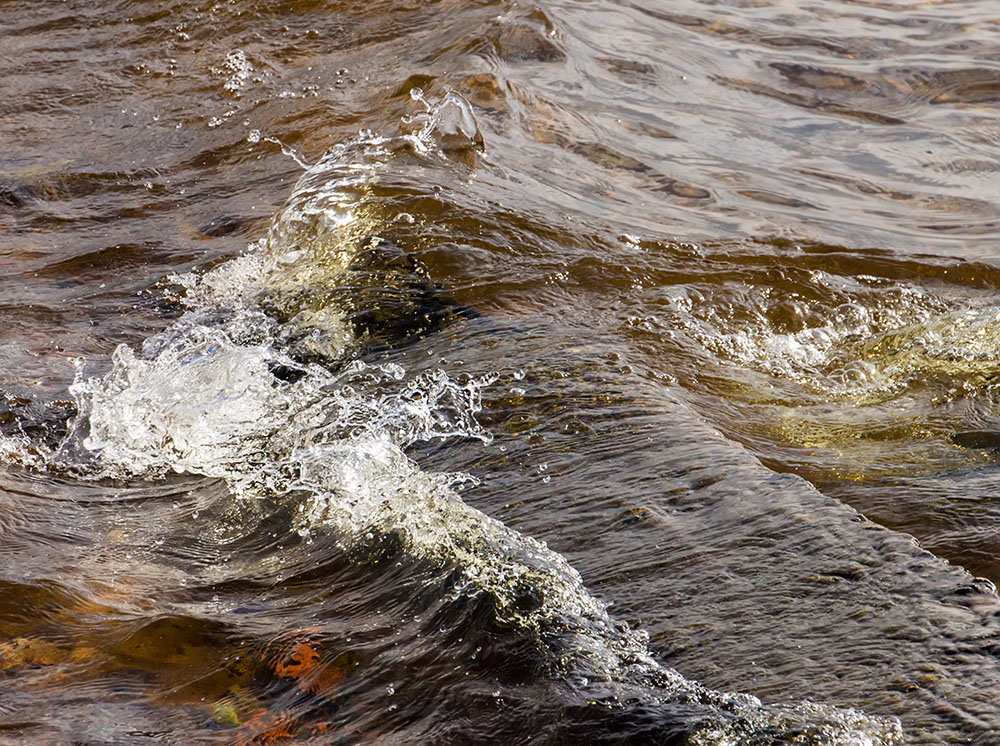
x=490, y=372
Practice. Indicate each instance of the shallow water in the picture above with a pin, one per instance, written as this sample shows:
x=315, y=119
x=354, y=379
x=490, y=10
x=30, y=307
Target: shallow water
x=499, y=373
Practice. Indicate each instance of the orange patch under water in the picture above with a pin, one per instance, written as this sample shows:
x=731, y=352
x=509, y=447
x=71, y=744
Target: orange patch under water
x=265, y=728
x=302, y=662
x=299, y=661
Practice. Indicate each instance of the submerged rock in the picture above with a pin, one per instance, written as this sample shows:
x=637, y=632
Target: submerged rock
x=977, y=439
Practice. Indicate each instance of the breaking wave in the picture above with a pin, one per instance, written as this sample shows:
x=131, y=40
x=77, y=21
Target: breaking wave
x=260, y=382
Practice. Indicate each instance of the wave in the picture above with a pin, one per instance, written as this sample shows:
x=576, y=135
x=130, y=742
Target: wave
x=262, y=382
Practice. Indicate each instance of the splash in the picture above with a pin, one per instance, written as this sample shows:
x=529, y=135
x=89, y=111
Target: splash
x=226, y=393
x=856, y=339
x=957, y=348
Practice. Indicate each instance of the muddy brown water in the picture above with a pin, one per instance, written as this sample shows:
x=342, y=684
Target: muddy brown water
x=700, y=295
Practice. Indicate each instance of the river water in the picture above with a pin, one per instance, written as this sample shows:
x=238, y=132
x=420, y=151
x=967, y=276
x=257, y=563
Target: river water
x=576, y=371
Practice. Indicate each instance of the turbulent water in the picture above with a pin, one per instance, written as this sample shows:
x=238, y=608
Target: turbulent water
x=487, y=372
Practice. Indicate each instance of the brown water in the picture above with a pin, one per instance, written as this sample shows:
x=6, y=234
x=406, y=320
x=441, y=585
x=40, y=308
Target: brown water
x=700, y=295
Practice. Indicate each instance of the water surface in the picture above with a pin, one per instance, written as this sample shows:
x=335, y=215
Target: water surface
x=499, y=372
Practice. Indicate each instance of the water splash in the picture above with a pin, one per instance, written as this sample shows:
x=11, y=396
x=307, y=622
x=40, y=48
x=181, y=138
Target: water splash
x=221, y=393
x=852, y=338
x=449, y=125
x=256, y=136
x=206, y=405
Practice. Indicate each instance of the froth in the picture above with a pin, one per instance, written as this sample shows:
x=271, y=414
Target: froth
x=839, y=344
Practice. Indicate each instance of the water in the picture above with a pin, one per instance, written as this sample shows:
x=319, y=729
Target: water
x=499, y=372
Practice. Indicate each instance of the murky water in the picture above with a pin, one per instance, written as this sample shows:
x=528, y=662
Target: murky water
x=488, y=372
